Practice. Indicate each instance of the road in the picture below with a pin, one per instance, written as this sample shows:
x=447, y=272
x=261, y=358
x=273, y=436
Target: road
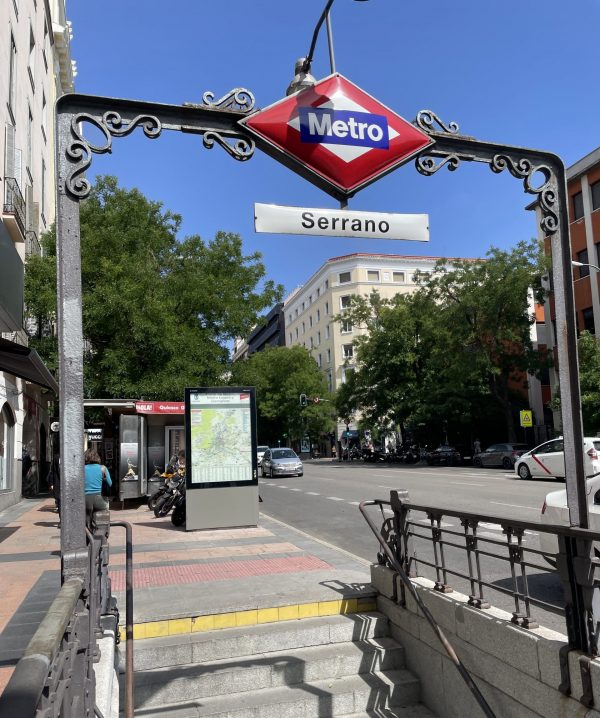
x=324, y=503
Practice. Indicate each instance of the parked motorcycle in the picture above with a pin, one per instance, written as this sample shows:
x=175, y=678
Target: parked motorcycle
x=178, y=515
x=166, y=502
x=166, y=477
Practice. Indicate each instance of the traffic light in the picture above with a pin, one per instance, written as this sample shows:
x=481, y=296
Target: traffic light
x=303, y=400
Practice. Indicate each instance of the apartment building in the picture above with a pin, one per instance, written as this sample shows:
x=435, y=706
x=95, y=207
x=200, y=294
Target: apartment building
x=310, y=309
x=35, y=69
x=583, y=190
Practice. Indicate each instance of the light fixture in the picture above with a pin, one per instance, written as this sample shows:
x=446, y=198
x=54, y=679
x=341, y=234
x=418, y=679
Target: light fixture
x=302, y=75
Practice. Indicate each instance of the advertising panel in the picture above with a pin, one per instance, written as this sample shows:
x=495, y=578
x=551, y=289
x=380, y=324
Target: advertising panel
x=221, y=437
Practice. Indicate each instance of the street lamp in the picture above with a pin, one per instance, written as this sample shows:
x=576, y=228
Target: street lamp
x=302, y=75
x=585, y=264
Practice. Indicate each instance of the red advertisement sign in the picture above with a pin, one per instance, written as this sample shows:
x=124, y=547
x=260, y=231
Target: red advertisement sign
x=159, y=407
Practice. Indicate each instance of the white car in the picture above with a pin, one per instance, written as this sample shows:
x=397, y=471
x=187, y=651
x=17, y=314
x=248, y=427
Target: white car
x=548, y=459
x=260, y=452
x=555, y=512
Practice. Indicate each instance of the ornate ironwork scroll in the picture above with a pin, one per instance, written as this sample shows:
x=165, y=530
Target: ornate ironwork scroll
x=450, y=149
x=238, y=99
x=81, y=149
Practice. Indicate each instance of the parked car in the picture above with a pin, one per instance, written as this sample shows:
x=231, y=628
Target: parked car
x=444, y=454
x=260, y=451
x=548, y=459
x=555, y=512
x=504, y=455
x=281, y=462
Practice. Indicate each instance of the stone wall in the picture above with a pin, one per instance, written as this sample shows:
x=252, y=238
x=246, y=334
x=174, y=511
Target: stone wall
x=516, y=669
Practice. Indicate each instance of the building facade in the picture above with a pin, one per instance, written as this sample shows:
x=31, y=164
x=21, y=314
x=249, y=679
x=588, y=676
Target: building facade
x=35, y=69
x=583, y=196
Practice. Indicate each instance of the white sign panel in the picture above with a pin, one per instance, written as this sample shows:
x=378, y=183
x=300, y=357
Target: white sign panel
x=276, y=219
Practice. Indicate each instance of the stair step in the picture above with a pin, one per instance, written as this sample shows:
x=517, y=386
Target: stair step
x=414, y=711
x=268, y=670
x=183, y=649
x=331, y=697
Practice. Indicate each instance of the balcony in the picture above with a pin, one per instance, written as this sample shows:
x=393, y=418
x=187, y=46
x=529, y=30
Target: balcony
x=13, y=212
x=32, y=244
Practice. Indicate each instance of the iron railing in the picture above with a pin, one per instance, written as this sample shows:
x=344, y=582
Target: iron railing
x=55, y=677
x=576, y=563
x=32, y=244
x=13, y=202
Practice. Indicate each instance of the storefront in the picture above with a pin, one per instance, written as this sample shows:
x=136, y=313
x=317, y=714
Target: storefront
x=136, y=440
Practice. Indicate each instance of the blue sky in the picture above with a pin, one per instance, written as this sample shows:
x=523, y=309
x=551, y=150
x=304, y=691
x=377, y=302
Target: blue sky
x=522, y=72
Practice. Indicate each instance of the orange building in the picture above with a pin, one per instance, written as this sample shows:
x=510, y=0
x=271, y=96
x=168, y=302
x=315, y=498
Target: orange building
x=583, y=189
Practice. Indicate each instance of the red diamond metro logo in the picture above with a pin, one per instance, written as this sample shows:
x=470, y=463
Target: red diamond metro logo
x=336, y=135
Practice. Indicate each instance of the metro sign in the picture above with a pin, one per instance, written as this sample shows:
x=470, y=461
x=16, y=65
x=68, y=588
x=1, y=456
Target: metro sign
x=336, y=135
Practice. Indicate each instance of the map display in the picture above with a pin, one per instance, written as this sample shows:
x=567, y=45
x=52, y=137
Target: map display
x=220, y=438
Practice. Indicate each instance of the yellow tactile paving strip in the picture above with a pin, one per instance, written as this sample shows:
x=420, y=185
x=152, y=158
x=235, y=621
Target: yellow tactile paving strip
x=235, y=619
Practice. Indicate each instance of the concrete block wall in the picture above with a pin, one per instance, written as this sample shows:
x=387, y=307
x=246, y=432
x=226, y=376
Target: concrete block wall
x=516, y=669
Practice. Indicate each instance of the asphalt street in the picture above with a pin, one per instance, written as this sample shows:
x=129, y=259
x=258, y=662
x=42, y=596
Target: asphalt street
x=324, y=503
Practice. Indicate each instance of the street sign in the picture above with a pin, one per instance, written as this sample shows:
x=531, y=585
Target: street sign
x=336, y=135
x=340, y=223
x=526, y=417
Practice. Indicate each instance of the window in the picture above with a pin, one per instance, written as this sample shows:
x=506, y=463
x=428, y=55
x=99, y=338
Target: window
x=318, y=338
x=595, y=189
x=45, y=45
x=296, y=312
x=6, y=447
x=329, y=381
x=31, y=59
x=290, y=337
x=290, y=318
x=398, y=276
x=329, y=356
x=345, y=301
x=303, y=328
x=327, y=284
x=583, y=257
x=43, y=191
x=319, y=361
x=327, y=332
x=44, y=117
x=346, y=327
x=326, y=309
x=348, y=351
x=318, y=291
x=372, y=275
x=310, y=321
x=577, y=206
x=318, y=315
x=588, y=320
x=302, y=306
x=345, y=277
x=29, y=141
x=296, y=332
x=12, y=77
x=312, y=346
x=310, y=299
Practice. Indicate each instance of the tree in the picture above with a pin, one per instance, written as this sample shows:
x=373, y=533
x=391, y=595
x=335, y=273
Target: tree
x=457, y=351
x=281, y=375
x=589, y=378
x=158, y=313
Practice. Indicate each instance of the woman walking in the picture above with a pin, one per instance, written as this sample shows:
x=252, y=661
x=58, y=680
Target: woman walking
x=95, y=474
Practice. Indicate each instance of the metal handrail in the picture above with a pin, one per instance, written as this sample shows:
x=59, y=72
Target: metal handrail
x=128, y=616
x=24, y=689
x=465, y=675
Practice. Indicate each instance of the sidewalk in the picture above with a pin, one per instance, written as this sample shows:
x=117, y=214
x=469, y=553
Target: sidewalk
x=183, y=581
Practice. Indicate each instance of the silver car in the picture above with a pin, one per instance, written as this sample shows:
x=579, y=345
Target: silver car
x=504, y=455
x=281, y=462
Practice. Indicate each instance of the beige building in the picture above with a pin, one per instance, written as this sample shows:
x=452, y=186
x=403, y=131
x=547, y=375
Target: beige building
x=35, y=69
x=310, y=309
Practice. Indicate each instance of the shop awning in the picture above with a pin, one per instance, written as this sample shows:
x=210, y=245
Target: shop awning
x=26, y=364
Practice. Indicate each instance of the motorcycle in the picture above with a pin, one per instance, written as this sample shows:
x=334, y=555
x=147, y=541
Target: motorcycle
x=178, y=515
x=166, y=502
x=165, y=477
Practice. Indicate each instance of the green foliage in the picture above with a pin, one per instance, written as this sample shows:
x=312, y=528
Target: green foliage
x=589, y=377
x=157, y=313
x=456, y=351
x=281, y=375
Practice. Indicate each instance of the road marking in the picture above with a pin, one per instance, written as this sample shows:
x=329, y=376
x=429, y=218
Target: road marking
x=334, y=498
x=516, y=506
x=295, y=489
x=465, y=483
x=312, y=493
x=494, y=527
x=427, y=522
x=354, y=503
x=281, y=486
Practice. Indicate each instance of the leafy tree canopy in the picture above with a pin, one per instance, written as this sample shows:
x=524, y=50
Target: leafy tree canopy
x=457, y=350
x=281, y=375
x=158, y=313
x=589, y=377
